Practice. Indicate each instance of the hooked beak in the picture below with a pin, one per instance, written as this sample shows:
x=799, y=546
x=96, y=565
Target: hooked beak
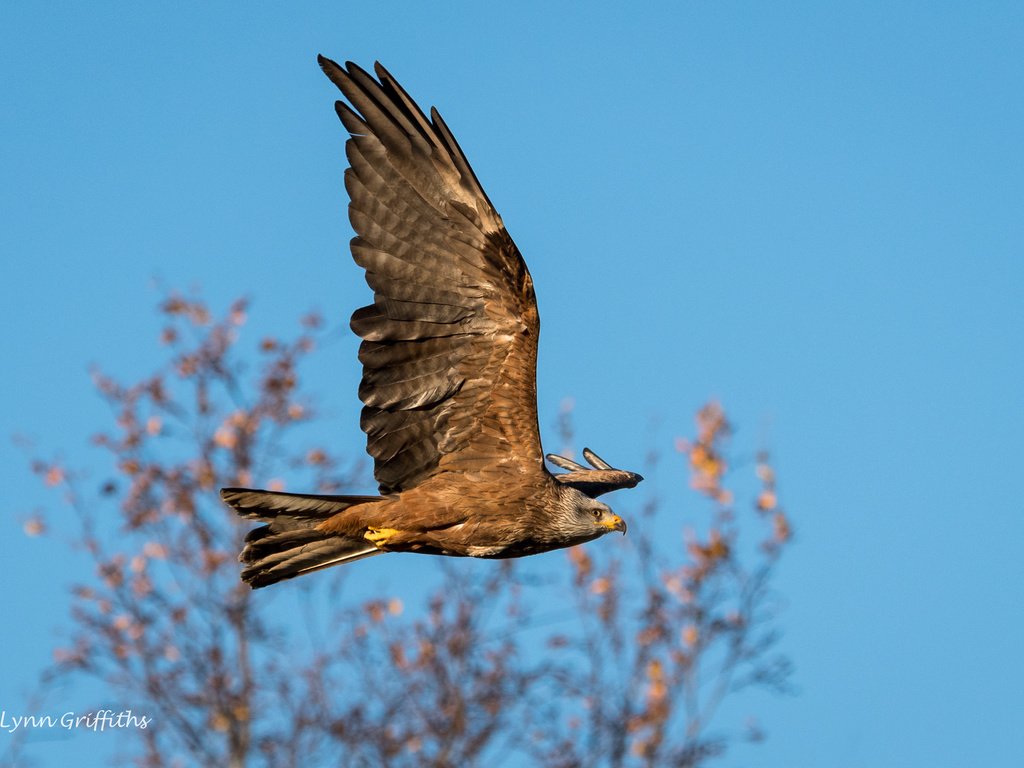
x=614, y=523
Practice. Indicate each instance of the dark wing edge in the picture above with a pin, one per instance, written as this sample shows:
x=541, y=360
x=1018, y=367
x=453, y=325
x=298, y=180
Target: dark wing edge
x=450, y=342
x=603, y=478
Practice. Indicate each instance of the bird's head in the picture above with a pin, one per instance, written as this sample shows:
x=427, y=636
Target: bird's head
x=586, y=518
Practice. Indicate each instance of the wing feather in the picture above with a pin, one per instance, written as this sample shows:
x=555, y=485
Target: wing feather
x=449, y=345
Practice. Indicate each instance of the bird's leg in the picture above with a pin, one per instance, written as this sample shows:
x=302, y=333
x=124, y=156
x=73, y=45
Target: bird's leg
x=380, y=536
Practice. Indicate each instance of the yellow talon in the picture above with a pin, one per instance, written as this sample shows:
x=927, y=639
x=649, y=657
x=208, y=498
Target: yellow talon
x=379, y=536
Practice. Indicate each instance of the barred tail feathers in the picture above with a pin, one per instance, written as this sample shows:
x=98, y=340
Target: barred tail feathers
x=290, y=544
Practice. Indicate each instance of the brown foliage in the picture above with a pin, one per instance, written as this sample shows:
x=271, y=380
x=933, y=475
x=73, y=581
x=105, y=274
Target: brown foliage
x=644, y=643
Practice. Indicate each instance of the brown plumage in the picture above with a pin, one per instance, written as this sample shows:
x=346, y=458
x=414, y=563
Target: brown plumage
x=449, y=358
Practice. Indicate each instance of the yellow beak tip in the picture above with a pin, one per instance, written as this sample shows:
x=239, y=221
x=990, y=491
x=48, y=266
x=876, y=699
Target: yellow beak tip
x=615, y=523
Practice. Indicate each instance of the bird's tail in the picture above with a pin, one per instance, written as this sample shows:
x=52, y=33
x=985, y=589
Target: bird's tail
x=290, y=544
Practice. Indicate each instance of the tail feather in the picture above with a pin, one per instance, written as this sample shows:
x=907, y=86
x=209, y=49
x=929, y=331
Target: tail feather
x=290, y=544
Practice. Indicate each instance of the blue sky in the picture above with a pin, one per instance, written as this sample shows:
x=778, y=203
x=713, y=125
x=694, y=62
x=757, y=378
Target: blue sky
x=810, y=211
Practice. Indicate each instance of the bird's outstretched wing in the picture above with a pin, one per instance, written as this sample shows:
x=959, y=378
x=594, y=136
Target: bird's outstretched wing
x=449, y=347
x=602, y=478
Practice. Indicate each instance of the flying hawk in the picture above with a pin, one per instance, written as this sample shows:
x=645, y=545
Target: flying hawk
x=449, y=356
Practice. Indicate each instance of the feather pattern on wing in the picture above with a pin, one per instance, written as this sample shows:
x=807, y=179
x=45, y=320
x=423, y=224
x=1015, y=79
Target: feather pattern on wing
x=449, y=347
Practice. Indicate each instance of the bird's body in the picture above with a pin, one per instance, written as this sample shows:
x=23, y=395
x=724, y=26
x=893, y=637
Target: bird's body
x=449, y=358
x=461, y=515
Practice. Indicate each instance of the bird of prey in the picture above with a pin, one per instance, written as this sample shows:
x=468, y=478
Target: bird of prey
x=449, y=354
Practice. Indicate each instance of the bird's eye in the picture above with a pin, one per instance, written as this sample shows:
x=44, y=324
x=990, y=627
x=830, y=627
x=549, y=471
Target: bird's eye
x=596, y=513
